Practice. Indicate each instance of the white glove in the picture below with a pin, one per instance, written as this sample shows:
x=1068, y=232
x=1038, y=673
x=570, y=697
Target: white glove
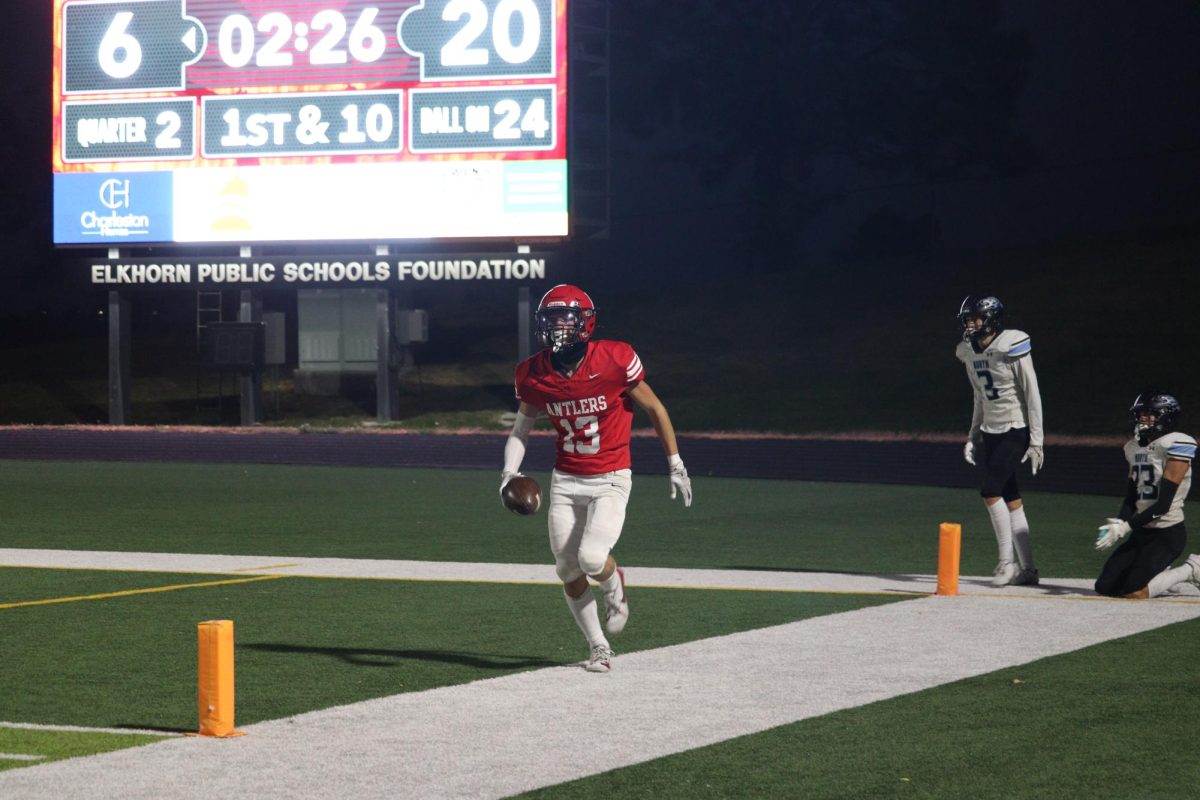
x=680, y=482
x=1035, y=457
x=505, y=477
x=969, y=452
x=1110, y=534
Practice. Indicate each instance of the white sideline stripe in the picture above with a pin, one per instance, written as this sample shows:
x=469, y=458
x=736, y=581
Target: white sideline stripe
x=525, y=573
x=34, y=726
x=19, y=757
x=497, y=737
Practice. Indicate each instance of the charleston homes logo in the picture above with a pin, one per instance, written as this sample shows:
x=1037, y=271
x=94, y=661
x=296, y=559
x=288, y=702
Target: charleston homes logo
x=115, y=196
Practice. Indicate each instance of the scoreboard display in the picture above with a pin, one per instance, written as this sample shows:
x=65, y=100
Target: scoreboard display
x=197, y=121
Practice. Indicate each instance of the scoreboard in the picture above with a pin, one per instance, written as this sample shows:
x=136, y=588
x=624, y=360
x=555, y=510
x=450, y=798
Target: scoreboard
x=197, y=121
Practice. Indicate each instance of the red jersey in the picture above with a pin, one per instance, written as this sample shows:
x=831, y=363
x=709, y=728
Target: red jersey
x=591, y=410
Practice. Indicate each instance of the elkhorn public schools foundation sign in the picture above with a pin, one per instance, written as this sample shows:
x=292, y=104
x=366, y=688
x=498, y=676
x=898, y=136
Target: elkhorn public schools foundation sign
x=285, y=272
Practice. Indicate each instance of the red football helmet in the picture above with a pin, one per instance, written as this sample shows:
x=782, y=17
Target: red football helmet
x=565, y=317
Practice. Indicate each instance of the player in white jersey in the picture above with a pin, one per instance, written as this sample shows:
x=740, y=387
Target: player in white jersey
x=1160, y=460
x=1006, y=428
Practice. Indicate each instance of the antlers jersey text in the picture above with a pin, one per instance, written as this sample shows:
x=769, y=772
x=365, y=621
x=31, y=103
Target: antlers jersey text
x=591, y=409
x=1146, y=465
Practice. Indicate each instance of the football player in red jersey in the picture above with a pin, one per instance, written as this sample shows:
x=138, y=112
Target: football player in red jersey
x=588, y=388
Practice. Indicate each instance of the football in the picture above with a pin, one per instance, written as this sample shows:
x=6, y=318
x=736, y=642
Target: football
x=522, y=495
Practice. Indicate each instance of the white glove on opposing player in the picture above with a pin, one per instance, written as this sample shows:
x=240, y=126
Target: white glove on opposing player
x=1111, y=533
x=680, y=482
x=1035, y=457
x=969, y=452
x=505, y=477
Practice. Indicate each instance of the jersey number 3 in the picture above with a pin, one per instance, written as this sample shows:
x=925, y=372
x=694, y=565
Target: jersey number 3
x=588, y=440
x=989, y=388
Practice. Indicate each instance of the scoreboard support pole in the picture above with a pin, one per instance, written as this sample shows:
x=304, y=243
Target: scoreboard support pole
x=387, y=357
x=524, y=335
x=387, y=353
x=250, y=383
x=119, y=355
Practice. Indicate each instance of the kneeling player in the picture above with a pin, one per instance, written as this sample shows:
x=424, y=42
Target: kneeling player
x=1160, y=460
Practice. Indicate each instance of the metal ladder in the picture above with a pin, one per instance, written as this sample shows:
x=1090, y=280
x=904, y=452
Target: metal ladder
x=209, y=309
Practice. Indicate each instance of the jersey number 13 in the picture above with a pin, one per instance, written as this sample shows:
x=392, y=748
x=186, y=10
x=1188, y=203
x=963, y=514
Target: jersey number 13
x=583, y=438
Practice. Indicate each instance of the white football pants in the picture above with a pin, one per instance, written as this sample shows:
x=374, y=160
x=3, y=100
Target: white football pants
x=586, y=515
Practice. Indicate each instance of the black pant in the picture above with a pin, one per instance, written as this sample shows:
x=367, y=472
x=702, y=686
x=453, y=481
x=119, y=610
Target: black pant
x=1001, y=455
x=1147, y=552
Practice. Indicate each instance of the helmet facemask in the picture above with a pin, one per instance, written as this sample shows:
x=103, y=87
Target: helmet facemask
x=1145, y=432
x=565, y=321
x=562, y=328
x=982, y=330
x=987, y=311
x=1163, y=409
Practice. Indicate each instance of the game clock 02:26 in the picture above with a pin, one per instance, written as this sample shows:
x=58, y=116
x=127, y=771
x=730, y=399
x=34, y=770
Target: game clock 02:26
x=149, y=45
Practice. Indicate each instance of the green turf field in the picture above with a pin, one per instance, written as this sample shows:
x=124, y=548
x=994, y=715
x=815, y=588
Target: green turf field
x=1109, y=721
x=20, y=747
x=309, y=643
x=125, y=658
x=450, y=515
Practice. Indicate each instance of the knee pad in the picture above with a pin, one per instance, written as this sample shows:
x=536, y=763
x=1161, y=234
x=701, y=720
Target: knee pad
x=592, y=559
x=567, y=569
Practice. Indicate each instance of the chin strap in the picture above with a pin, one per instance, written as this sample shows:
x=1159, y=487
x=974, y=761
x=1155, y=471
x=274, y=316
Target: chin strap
x=1147, y=434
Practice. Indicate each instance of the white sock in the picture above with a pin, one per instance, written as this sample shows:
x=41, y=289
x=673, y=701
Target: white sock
x=583, y=608
x=1002, y=525
x=1168, y=578
x=1020, y=538
x=612, y=583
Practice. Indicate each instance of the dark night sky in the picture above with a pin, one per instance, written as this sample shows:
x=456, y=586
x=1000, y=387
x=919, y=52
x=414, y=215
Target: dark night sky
x=1111, y=109
x=1109, y=106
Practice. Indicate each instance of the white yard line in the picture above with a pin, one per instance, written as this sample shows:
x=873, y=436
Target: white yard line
x=501, y=736
x=520, y=573
x=33, y=726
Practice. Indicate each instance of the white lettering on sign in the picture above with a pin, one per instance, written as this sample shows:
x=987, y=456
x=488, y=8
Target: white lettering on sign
x=314, y=272
x=440, y=119
x=260, y=129
x=114, y=224
x=141, y=273
x=466, y=269
x=336, y=271
x=110, y=130
x=236, y=272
